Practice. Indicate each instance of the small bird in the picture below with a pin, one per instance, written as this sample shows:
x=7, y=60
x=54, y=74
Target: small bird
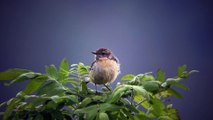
x=105, y=68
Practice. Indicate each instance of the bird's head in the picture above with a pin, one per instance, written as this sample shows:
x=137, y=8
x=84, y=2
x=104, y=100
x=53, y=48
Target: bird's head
x=103, y=52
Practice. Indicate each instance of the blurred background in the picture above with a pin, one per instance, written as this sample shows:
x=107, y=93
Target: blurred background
x=144, y=35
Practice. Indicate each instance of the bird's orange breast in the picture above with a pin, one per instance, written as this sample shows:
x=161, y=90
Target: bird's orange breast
x=104, y=71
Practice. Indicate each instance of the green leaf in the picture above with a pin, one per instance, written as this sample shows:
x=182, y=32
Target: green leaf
x=12, y=73
x=181, y=69
x=37, y=100
x=175, y=82
x=123, y=116
x=52, y=72
x=70, y=99
x=158, y=106
x=160, y=75
x=166, y=94
x=109, y=107
x=82, y=69
x=132, y=108
x=175, y=93
x=118, y=92
x=35, y=83
x=73, y=81
x=23, y=77
x=56, y=98
x=21, y=95
x=193, y=71
x=64, y=70
x=182, y=86
x=173, y=114
x=11, y=105
x=57, y=115
x=146, y=105
x=141, y=117
x=74, y=65
x=170, y=82
x=141, y=91
x=66, y=114
x=91, y=115
x=2, y=104
x=39, y=117
x=50, y=104
x=103, y=116
x=142, y=101
x=51, y=88
x=151, y=86
x=146, y=76
x=128, y=77
x=127, y=113
x=101, y=98
x=122, y=89
x=90, y=111
x=186, y=74
x=25, y=105
x=86, y=109
x=99, y=107
x=84, y=88
x=85, y=102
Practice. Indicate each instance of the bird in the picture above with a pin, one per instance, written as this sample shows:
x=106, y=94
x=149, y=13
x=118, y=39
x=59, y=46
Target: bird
x=105, y=68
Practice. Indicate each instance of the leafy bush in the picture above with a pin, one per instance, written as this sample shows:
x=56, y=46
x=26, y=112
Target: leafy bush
x=64, y=94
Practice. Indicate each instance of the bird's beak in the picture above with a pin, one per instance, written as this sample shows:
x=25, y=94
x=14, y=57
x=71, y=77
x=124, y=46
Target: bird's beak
x=93, y=52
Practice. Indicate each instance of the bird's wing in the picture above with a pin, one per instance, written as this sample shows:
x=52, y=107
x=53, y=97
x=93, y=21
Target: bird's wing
x=91, y=66
x=115, y=59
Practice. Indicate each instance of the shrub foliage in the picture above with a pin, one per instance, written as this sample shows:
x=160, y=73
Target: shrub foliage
x=64, y=94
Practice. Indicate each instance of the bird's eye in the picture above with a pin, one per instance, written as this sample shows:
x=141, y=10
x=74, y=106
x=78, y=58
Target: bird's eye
x=103, y=53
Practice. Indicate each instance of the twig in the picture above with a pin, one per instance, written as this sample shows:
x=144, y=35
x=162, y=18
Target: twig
x=140, y=102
